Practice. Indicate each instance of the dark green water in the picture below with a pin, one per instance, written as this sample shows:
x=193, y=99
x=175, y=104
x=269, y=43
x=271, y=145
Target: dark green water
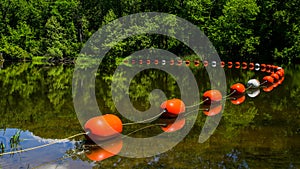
x=262, y=132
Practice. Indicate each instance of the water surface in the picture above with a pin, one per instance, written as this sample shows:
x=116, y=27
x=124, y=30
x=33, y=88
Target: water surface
x=36, y=100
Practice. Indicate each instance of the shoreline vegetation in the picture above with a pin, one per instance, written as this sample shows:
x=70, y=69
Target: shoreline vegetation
x=241, y=30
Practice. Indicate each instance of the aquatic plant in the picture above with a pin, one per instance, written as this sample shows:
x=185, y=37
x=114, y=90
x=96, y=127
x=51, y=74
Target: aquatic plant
x=15, y=139
x=2, y=147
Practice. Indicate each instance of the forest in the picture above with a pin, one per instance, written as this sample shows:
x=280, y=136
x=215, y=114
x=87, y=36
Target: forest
x=252, y=30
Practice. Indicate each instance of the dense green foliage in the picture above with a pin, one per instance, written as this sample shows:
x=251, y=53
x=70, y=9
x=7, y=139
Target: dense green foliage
x=262, y=30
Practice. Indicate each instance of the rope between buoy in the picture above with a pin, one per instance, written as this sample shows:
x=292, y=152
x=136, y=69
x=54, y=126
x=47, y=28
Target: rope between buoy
x=250, y=86
x=263, y=83
x=225, y=97
x=41, y=146
x=197, y=104
x=143, y=121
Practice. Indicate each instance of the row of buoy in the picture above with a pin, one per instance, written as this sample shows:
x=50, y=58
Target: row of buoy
x=205, y=63
x=110, y=127
x=237, y=93
x=106, y=129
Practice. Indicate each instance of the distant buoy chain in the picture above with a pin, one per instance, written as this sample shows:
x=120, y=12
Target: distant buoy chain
x=205, y=63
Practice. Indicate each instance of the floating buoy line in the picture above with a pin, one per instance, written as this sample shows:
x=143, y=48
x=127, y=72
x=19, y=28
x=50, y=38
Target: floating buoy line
x=108, y=128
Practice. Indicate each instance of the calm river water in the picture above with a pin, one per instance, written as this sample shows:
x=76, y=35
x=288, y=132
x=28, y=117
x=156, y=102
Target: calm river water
x=36, y=105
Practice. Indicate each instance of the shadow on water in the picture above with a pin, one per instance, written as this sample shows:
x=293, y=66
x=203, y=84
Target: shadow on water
x=262, y=132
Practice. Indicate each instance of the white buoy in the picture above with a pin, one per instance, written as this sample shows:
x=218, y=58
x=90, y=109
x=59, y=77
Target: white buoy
x=213, y=63
x=163, y=62
x=253, y=92
x=253, y=83
x=257, y=66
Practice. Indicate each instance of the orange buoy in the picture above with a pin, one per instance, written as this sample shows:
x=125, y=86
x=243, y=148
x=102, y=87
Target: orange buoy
x=237, y=65
x=268, y=88
x=205, y=63
x=187, y=63
x=108, y=149
x=103, y=127
x=156, y=61
x=263, y=67
x=196, y=63
x=213, y=111
x=244, y=65
x=173, y=107
x=238, y=100
x=179, y=62
x=229, y=65
x=271, y=68
x=280, y=74
x=212, y=97
x=222, y=64
x=174, y=125
x=148, y=61
x=281, y=80
x=281, y=70
x=237, y=89
x=140, y=61
x=133, y=61
x=268, y=68
x=275, y=85
x=275, y=77
x=251, y=66
x=171, y=62
x=268, y=79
